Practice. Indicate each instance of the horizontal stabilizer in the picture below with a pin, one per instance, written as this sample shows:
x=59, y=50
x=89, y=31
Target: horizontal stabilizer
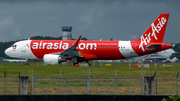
x=152, y=47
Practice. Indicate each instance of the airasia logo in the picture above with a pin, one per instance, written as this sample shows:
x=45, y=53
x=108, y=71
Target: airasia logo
x=155, y=29
x=61, y=45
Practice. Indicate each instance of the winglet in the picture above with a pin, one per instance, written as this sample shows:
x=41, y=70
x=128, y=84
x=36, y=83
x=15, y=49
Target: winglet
x=77, y=41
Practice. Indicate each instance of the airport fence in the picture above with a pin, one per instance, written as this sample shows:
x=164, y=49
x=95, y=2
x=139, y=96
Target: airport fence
x=166, y=86
x=89, y=85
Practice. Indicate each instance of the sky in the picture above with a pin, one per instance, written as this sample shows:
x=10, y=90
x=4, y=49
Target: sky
x=93, y=19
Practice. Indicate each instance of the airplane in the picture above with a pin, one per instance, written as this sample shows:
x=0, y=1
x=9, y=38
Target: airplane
x=75, y=51
x=13, y=60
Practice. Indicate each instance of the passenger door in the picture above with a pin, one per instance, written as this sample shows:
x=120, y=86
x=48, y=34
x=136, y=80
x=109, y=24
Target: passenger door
x=23, y=47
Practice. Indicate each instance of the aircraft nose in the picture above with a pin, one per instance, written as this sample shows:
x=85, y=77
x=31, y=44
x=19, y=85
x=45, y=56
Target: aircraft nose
x=7, y=51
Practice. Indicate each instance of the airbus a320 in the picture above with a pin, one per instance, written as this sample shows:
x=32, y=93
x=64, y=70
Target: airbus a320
x=75, y=51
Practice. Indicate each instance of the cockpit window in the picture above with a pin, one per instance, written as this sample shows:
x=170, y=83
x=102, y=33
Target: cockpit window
x=14, y=46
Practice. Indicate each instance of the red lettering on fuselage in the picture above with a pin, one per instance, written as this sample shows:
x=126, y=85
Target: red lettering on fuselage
x=98, y=48
x=61, y=45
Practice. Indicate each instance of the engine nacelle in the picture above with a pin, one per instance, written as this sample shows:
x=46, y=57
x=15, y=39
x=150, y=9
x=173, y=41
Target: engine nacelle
x=53, y=59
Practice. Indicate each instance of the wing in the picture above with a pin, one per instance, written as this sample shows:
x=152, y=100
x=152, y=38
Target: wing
x=72, y=51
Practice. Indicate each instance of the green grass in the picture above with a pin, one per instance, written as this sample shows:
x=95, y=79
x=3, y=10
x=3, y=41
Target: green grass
x=123, y=70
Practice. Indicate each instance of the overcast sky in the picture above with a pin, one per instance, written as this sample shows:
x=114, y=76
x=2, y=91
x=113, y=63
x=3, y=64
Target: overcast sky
x=93, y=19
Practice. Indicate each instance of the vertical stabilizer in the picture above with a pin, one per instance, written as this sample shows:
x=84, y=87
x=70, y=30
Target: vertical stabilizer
x=155, y=32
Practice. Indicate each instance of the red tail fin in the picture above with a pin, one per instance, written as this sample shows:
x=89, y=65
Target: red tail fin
x=155, y=33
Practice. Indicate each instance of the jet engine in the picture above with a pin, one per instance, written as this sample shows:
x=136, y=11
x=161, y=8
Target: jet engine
x=53, y=59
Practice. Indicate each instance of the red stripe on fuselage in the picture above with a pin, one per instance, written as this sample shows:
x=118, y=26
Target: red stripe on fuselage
x=91, y=50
